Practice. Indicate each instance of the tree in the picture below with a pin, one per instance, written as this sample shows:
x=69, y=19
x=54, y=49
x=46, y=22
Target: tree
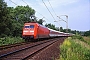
x=23, y=13
x=57, y=28
x=19, y=16
x=40, y=21
x=61, y=29
x=87, y=33
x=50, y=26
x=5, y=21
x=69, y=30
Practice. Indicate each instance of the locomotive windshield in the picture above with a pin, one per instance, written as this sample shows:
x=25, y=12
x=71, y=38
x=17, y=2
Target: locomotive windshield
x=31, y=26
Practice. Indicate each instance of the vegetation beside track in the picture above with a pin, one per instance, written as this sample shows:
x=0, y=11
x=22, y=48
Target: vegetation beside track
x=87, y=39
x=10, y=40
x=75, y=48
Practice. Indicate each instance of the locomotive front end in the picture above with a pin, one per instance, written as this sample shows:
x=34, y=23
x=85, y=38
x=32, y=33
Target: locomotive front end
x=29, y=31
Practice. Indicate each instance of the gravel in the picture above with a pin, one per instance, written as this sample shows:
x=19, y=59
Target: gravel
x=50, y=53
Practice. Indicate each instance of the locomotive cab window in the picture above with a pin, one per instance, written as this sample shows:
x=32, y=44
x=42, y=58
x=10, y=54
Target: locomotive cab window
x=31, y=26
x=26, y=27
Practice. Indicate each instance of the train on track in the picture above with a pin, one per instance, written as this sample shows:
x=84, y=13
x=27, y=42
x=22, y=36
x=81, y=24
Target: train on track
x=34, y=31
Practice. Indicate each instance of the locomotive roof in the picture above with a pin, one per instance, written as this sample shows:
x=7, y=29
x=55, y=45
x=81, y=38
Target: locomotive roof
x=31, y=23
x=55, y=30
x=35, y=23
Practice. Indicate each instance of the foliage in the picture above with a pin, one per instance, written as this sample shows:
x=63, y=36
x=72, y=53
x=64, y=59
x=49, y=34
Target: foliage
x=40, y=21
x=50, y=26
x=61, y=29
x=87, y=39
x=71, y=50
x=82, y=38
x=77, y=36
x=22, y=13
x=87, y=33
x=13, y=19
x=10, y=40
x=5, y=21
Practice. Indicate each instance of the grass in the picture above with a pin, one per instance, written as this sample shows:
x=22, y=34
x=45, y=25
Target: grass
x=75, y=48
x=10, y=40
x=87, y=39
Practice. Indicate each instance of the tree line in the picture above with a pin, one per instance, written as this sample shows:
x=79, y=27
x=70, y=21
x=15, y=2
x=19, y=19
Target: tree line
x=12, y=20
x=83, y=33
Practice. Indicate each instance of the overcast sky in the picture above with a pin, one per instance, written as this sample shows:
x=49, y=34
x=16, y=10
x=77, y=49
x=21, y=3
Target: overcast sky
x=78, y=12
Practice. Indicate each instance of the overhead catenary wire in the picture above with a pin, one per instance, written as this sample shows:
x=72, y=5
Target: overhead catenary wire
x=52, y=7
x=53, y=10
x=24, y=2
x=13, y=2
x=48, y=10
x=28, y=5
x=42, y=15
x=36, y=11
x=55, y=13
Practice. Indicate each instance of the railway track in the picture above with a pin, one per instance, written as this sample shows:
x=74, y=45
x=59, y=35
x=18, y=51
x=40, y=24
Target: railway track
x=11, y=45
x=9, y=48
x=26, y=51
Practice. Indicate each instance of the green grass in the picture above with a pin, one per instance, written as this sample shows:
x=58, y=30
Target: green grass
x=10, y=40
x=71, y=50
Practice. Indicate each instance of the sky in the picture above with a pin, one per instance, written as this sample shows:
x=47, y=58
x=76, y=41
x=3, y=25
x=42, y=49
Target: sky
x=78, y=12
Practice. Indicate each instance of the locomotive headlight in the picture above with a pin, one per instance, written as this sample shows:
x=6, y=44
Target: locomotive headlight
x=31, y=31
x=25, y=31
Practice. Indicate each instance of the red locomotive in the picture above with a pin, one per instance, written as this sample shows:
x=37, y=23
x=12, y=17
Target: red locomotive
x=34, y=30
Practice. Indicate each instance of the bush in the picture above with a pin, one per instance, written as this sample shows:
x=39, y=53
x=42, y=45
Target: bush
x=87, y=39
x=10, y=40
x=78, y=37
x=73, y=51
